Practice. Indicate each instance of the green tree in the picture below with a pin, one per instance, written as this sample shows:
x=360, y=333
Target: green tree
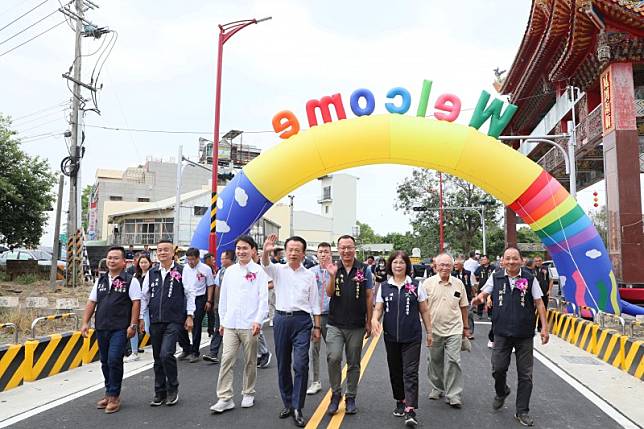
x=600, y=220
x=462, y=228
x=26, y=192
x=87, y=191
x=367, y=234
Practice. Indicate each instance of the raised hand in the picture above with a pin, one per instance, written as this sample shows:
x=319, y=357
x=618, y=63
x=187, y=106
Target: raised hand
x=331, y=268
x=269, y=243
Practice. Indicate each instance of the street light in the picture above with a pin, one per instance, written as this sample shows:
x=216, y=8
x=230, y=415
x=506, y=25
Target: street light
x=226, y=31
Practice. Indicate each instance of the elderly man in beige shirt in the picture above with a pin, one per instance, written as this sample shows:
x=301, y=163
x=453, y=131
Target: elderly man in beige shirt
x=448, y=308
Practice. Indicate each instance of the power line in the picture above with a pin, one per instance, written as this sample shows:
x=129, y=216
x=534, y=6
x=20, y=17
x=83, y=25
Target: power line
x=27, y=28
x=24, y=14
x=38, y=117
x=143, y=130
x=35, y=37
x=44, y=109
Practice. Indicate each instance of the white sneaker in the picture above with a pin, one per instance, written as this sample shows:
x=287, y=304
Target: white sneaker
x=222, y=406
x=270, y=323
x=248, y=401
x=314, y=388
x=490, y=344
x=131, y=358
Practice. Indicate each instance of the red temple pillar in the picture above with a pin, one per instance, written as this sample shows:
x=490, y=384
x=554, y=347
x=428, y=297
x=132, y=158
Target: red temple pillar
x=622, y=174
x=510, y=227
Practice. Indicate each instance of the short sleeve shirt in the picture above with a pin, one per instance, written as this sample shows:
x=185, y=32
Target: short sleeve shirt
x=445, y=300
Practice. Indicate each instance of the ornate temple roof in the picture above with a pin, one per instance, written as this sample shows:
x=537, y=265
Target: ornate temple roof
x=569, y=42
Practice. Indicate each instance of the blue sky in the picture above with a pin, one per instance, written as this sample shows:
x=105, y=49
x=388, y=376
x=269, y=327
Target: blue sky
x=161, y=73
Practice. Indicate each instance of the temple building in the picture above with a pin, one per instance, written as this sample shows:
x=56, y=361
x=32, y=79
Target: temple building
x=580, y=66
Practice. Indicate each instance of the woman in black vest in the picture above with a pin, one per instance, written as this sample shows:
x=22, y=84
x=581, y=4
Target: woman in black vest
x=401, y=301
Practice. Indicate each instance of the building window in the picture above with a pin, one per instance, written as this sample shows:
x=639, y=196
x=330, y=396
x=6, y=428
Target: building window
x=326, y=193
x=200, y=211
x=116, y=198
x=143, y=200
x=326, y=210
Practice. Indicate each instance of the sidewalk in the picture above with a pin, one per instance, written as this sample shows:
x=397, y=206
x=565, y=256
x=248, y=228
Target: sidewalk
x=616, y=392
x=35, y=397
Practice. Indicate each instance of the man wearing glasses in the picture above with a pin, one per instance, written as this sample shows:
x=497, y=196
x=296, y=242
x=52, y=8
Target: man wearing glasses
x=351, y=292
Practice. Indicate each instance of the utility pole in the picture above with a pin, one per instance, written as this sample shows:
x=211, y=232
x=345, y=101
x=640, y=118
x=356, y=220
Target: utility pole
x=56, y=249
x=177, y=198
x=74, y=263
x=291, y=232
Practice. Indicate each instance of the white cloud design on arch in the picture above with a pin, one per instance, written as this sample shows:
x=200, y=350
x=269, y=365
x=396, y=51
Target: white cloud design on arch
x=241, y=196
x=220, y=202
x=593, y=254
x=222, y=226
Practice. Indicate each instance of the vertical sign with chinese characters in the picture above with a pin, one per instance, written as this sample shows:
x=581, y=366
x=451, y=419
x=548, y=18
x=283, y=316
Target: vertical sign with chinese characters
x=607, y=102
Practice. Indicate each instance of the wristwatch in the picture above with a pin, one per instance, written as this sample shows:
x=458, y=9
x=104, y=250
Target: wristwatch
x=134, y=326
x=317, y=327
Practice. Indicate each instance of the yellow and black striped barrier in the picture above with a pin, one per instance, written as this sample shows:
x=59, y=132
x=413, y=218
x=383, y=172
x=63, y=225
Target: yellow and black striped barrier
x=12, y=366
x=608, y=345
x=144, y=340
x=52, y=317
x=90, y=347
x=53, y=354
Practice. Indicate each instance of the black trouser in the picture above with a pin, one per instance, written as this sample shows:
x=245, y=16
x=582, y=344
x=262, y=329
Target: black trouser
x=164, y=344
x=184, y=340
x=545, y=303
x=490, y=335
x=501, y=355
x=403, y=360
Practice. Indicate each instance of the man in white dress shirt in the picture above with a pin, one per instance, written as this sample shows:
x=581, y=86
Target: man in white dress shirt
x=296, y=299
x=243, y=306
x=198, y=276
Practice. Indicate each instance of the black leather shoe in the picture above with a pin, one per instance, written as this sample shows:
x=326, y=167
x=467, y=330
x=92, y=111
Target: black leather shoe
x=286, y=412
x=500, y=400
x=333, y=405
x=298, y=418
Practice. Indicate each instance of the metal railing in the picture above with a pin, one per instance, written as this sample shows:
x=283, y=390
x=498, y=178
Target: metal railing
x=631, y=328
x=54, y=317
x=616, y=320
x=15, y=330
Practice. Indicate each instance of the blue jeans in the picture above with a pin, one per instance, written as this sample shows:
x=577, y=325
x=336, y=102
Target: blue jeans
x=184, y=339
x=111, y=347
x=215, y=339
x=292, y=340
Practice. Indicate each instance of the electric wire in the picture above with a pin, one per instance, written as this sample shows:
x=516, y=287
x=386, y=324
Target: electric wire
x=24, y=14
x=33, y=38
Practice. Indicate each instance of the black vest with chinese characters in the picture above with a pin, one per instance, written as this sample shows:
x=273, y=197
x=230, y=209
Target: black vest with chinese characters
x=167, y=297
x=348, y=305
x=113, y=303
x=401, y=318
x=514, y=310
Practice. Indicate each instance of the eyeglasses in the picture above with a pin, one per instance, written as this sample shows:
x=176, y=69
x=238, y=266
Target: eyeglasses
x=344, y=249
x=444, y=265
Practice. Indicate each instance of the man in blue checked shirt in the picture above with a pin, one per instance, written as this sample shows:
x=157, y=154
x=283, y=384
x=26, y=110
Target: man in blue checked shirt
x=322, y=278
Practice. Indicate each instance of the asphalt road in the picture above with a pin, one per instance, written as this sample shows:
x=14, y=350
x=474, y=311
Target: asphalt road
x=555, y=404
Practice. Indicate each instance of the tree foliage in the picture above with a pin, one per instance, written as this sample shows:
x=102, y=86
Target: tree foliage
x=600, y=220
x=87, y=191
x=26, y=192
x=462, y=228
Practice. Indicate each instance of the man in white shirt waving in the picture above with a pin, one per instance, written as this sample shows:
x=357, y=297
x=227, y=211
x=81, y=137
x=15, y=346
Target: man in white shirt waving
x=243, y=306
x=198, y=276
x=296, y=299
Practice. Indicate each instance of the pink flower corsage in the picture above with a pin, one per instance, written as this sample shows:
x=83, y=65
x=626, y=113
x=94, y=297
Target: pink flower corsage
x=410, y=288
x=521, y=284
x=200, y=277
x=117, y=284
x=251, y=276
x=359, y=276
x=176, y=275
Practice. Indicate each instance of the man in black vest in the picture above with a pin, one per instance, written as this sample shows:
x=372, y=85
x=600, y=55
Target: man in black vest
x=545, y=282
x=465, y=276
x=171, y=308
x=481, y=275
x=515, y=295
x=116, y=297
x=350, y=309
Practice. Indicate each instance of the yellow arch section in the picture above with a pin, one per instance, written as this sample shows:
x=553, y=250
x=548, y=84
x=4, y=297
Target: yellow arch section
x=455, y=149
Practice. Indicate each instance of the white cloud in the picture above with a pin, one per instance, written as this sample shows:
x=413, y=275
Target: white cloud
x=222, y=226
x=241, y=196
x=593, y=254
x=220, y=202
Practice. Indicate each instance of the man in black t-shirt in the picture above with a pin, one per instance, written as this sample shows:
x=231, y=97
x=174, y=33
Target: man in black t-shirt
x=545, y=282
x=481, y=275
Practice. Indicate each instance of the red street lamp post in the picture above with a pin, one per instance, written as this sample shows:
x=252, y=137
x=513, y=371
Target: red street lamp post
x=226, y=31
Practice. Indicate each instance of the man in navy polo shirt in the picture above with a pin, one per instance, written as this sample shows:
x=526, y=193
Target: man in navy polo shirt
x=172, y=308
x=116, y=297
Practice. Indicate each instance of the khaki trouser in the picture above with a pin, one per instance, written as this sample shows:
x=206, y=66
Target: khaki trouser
x=233, y=339
x=444, y=367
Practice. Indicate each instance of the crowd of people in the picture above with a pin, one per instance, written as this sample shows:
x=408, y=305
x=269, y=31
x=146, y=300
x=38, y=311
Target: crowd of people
x=339, y=303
